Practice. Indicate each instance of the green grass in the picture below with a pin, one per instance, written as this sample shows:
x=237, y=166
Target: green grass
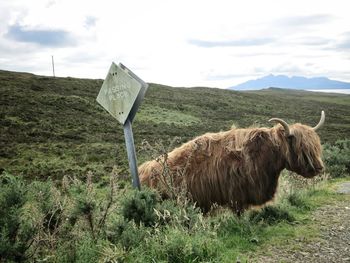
x=165, y=116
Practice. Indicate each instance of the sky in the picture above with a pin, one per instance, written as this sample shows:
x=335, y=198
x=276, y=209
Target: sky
x=184, y=43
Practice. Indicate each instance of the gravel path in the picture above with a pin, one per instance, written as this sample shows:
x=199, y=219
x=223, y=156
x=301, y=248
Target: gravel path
x=333, y=244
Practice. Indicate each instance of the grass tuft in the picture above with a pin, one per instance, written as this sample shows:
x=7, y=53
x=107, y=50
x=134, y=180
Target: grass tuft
x=271, y=215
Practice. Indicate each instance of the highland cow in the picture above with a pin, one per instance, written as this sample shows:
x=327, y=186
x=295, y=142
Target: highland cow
x=238, y=168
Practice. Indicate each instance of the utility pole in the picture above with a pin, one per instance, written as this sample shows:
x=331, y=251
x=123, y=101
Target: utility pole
x=53, y=66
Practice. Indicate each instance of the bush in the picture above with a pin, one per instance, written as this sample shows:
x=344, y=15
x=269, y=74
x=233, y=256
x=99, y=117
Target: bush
x=76, y=221
x=337, y=158
x=172, y=212
x=15, y=233
x=154, y=230
x=179, y=246
x=83, y=250
x=41, y=221
x=139, y=206
x=128, y=234
x=86, y=250
x=174, y=244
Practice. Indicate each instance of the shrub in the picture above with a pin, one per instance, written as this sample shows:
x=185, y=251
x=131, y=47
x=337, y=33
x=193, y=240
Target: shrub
x=91, y=205
x=182, y=247
x=177, y=245
x=76, y=221
x=47, y=199
x=139, y=206
x=171, y=212
x=86, y=250
x=83, y=250
x=15, y=234
x=40, y=221
x=337, y=158
x=154, y=230
x=128, y=234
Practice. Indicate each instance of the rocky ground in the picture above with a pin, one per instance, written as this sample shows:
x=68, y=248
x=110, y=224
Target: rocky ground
x=333, y=243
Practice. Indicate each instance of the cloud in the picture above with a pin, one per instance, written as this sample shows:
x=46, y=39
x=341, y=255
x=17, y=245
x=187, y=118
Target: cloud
x=230, y=76
x=303, y=21
x=90, y=21
x=344, y=43
x=314, y=41
x=231, y=43
x=341, y=43
x=47, y=38
x=237, y=43
x=51, y=3
x=287, y=68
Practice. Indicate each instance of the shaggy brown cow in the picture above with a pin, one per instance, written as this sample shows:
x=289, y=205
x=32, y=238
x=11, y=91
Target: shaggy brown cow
x=238, y=168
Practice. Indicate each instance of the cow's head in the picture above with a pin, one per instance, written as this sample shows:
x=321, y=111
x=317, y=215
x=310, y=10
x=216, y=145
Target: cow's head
x=302, y=148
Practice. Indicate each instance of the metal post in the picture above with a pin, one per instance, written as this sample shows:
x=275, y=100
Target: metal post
x=130, y=148
x=53, y=66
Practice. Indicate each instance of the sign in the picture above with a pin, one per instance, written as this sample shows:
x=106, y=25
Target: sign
x=121, y=95
x=119, y=92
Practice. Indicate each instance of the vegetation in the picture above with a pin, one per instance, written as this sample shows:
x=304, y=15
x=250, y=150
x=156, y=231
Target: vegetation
x=77, y=221
x=337, y=158
x=51, y=127
x=65, y=191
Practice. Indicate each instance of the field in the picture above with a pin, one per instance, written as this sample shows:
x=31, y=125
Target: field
x=65, y=193
x=54, y=126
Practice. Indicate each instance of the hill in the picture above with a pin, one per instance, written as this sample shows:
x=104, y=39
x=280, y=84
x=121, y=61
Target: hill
x=295, y=82
x=54, y=126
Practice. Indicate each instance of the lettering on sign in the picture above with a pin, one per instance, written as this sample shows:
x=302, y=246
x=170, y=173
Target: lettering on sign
x=119, y=92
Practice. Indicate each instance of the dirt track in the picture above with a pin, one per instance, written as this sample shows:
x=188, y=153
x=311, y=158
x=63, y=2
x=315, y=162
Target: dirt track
x=333, y=243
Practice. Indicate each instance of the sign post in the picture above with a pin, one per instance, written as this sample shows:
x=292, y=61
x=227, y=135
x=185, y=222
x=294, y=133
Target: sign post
x=130, y=148
x=121, y=95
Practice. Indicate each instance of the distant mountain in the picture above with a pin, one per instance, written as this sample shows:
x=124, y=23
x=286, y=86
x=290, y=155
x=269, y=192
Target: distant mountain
x=285, y=82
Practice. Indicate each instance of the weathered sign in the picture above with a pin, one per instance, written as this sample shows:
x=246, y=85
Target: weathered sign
x=121, y=94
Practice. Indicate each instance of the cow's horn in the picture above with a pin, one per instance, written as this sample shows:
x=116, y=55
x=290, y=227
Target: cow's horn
x=321, y=122
x=284, y=124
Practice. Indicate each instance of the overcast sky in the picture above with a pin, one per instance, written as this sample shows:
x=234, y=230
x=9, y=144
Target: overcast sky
x=177, y=42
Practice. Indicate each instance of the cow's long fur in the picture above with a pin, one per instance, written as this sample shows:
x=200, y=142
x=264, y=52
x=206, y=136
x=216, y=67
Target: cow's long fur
x=238, y=168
